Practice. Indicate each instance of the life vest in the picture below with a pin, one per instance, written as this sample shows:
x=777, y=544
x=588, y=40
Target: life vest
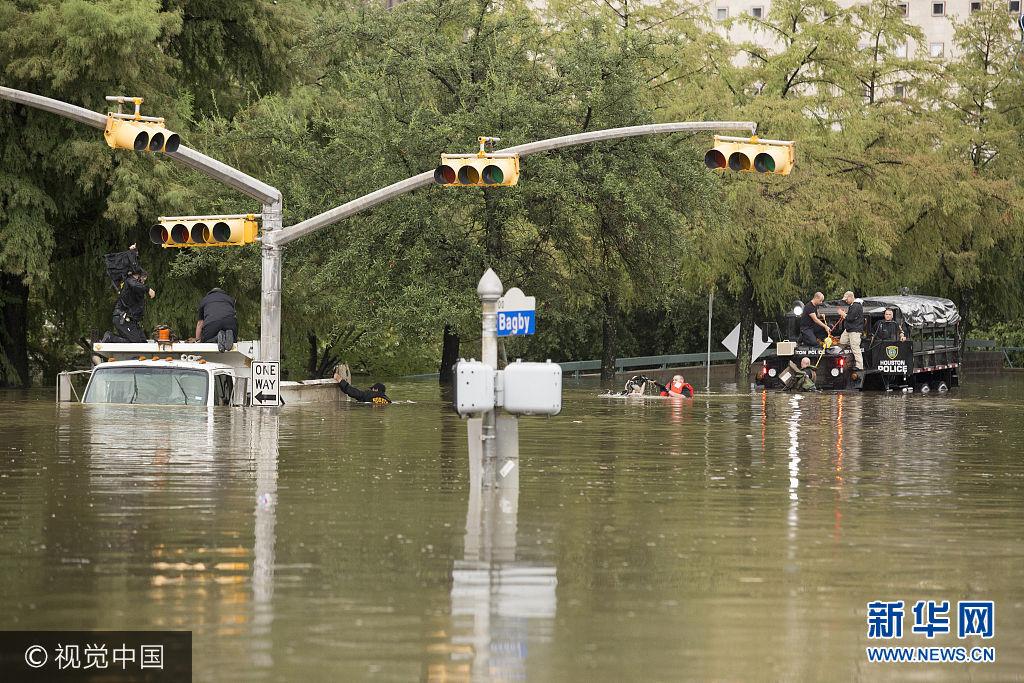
x=677, y=388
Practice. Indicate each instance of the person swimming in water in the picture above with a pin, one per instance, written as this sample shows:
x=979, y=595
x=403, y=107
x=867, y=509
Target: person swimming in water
x=375, y=394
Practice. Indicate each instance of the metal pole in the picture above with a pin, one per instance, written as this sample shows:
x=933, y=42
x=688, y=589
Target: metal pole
x=427, y=177
x=270, y=286
x=489, y=289
x=711, y=303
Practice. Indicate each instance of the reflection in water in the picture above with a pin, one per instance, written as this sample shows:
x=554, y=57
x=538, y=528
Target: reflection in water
x=264, y=447
x=494, y=598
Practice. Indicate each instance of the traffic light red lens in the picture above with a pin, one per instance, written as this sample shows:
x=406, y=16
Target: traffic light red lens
x=172, y=144
x=738, y=161
x=198, y=233
x=179, y=233
x=221, y=232
x=764, y=163
x=141, y=141
x=468, y=175
x=714, y=159
x=444, y=175
x=156, y=143
x=158, y=234
x=493, y=175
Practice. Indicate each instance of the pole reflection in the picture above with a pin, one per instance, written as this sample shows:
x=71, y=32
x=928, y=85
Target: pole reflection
x=496, y=599
x=263, y=445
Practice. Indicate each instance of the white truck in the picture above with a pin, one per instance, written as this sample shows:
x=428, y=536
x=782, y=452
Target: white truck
x=178, y=373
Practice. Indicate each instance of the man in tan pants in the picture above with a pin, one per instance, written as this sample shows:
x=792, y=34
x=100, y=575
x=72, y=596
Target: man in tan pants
x=853, y=327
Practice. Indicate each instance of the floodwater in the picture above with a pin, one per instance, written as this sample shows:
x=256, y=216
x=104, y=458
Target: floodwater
x=731, y=537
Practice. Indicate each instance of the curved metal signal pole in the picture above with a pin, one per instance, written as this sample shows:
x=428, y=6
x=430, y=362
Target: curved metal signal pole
x=268, y=196
x=275, y=238
x=368, y=201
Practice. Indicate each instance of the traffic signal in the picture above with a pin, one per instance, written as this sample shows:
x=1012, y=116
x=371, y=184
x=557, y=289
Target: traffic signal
x=751, y=154
x=205, y=231
x=140, y=136
x=482, y=169
x=137, y=132
x=470, y=170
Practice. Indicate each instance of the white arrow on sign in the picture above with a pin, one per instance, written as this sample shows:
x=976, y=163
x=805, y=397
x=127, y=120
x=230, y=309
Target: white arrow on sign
x=759, y=345
x=732, y=341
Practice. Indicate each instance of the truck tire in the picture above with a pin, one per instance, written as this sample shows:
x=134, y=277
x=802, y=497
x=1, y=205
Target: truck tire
x=940, y=387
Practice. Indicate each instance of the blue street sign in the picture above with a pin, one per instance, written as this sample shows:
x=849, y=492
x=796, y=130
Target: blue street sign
x=515, y=323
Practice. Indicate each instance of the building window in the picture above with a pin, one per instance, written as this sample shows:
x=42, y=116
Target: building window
x=935, y=49
x=898, y=91
x=938, y=9
x=975, y=6
x=757, y=12
x=904, y=8
x=1015, y=6
x=901, y=51
x=722, y=13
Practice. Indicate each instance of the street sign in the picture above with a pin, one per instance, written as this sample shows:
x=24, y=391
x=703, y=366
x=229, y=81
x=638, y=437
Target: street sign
x=266, y=383
x=732, y=340
x=517, y=314
x=761, y=344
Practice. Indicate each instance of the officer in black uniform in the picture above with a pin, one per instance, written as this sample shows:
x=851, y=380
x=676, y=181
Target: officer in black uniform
x=375, y=394
x=217, y=319
x=888, y=329
x=130, y=307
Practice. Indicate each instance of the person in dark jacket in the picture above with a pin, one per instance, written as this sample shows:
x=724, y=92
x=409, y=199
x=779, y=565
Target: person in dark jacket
x=888, y=329
x=130, y=307
x=812, y=328
x=216, y=319
x=853, y=327
x=375, y=394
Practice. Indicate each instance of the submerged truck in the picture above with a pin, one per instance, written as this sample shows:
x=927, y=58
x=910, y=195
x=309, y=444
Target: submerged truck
x=929, y=359
x=178, y=373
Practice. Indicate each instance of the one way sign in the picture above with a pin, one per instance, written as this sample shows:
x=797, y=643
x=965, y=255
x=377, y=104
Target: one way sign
x=266, y=383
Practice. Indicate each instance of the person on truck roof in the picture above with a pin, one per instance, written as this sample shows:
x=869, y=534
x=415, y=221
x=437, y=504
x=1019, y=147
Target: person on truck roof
x=887, y=329
x=853, y=327
x=217, y=320
x=812, y=328
x=130, y=307
x=375, y=394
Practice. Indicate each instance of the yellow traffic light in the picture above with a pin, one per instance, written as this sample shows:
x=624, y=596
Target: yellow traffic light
x=751, y=154
x=482, y=169
x=205, y=231
x=138, y=132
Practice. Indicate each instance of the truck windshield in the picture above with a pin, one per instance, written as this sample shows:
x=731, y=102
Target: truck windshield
x=162, y=386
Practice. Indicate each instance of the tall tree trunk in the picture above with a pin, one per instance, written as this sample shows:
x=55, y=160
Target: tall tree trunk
x=743, y=353
x=609, y=320
x=449, y=355
x=311, y=366
x=13, y=332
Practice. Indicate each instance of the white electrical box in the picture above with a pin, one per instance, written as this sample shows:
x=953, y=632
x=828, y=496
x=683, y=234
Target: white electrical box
x=533, y=388
x=474, y=387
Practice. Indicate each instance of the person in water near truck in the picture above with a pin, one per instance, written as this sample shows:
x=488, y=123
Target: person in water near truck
x=375, y=394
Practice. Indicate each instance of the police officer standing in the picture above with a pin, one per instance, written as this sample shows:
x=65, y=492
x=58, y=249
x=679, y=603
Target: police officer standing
x=216, y=316
x=131, y=306
x=853, y=327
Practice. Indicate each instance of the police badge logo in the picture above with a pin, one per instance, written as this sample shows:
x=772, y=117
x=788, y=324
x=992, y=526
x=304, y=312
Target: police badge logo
x=892, y=352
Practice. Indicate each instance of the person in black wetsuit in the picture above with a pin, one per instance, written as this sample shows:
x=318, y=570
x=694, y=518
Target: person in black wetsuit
x=130, y=307
x=216, y=316
x=375, y=394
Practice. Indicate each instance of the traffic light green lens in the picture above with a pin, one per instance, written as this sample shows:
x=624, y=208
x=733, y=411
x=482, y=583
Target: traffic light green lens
x=172, y=144
x=714, y=159
x=444, y=175
x=141, y=141
x=156, y=143
x=738, y=161
x=198, y=233
x=493, y=175
x=179, y=233
x=764, y=163
x=468, y=175
x=221, y=232
x=158, y=234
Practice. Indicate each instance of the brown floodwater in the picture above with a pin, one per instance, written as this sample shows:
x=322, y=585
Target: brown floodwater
x=731, y=537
